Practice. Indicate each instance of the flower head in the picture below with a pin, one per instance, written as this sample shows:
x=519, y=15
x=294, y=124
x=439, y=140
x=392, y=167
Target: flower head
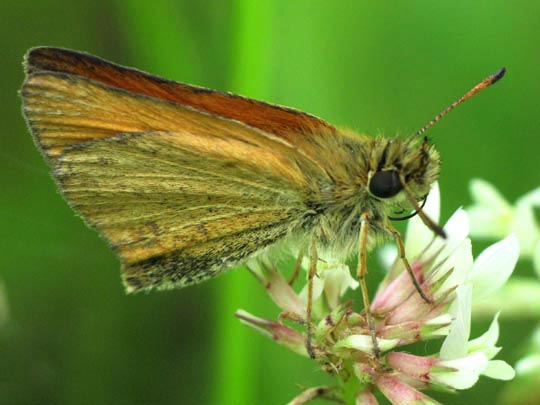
x=492, y=216
x=341, y=336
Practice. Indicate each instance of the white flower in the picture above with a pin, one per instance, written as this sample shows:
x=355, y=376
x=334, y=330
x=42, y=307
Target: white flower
x=332, y=281
x=453, y=251
x=461, y=373
x=342, y=339
x=458, y=366
x=489, y=272
x=470, y=359
x=460, y=361
x=492, y=217
x=493, y=267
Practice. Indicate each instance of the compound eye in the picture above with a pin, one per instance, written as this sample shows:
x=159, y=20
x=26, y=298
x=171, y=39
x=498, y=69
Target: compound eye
x=385, y=184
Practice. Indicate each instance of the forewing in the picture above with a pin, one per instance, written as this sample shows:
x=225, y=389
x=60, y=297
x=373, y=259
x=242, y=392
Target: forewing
x=288, y=123
x=180, y=194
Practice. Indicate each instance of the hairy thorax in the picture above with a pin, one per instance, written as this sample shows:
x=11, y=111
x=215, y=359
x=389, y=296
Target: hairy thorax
x=336, y=204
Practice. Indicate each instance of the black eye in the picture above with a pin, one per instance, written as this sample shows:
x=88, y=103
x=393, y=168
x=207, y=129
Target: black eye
x=385, y=184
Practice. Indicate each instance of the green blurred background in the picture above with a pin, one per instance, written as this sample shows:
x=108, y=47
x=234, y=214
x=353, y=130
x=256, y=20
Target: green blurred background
x=74, y=337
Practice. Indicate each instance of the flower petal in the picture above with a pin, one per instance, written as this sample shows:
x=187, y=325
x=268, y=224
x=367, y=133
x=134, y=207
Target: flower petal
x=455, y=344
x=491, y=215
x=487, y=340
x=393, y=294
x=436, y=327
x=387, y=255
x=277, y=287
x=282, y=334
x=397, y=392
x=499, y=370
x=416, y=367
x=485, y=194
x=461, y=261
x=493, y=267
x=365, y=344
x=366, y=398
x=457, y=230
x=525, y=224
x=418, y=234
x=414, y=331
x=337, y=280
x=465, y=373
x=318, y=288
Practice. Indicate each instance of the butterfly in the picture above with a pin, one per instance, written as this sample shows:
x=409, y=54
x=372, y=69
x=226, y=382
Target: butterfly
x=186, y=182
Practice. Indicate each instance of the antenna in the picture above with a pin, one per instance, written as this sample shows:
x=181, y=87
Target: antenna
x=488, y=81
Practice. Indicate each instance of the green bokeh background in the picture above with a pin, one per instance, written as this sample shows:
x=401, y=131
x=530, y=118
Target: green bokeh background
x=74, y=337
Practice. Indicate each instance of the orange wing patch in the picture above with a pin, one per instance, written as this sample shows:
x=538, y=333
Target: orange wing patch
x=282, y=121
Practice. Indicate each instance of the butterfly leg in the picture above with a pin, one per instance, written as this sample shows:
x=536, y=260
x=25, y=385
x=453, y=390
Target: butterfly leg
x=297, y=267
x=403, y=257
x=361, y=273
x=313, y=258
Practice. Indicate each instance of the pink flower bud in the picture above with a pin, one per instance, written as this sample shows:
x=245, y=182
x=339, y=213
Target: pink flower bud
x=366, y=398
x=417, y=367
x=400, y=393
x=282, y=334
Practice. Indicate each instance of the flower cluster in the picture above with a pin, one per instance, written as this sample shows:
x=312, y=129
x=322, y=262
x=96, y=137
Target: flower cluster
x=493, y=217
x=341, y=338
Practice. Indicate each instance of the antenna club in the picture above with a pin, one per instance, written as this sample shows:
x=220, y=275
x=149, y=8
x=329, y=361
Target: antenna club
x=498, y=75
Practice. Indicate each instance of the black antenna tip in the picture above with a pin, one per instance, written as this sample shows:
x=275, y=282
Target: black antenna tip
x=498, y=75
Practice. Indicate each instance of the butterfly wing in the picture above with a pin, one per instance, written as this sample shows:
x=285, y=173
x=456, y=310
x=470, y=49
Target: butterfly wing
x=180, y=194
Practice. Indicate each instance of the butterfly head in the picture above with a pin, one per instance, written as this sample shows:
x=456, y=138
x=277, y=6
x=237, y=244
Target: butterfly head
x=402, y=167
x=401, y=173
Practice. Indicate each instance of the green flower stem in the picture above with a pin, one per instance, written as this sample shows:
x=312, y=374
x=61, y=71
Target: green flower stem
x=236, y=351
